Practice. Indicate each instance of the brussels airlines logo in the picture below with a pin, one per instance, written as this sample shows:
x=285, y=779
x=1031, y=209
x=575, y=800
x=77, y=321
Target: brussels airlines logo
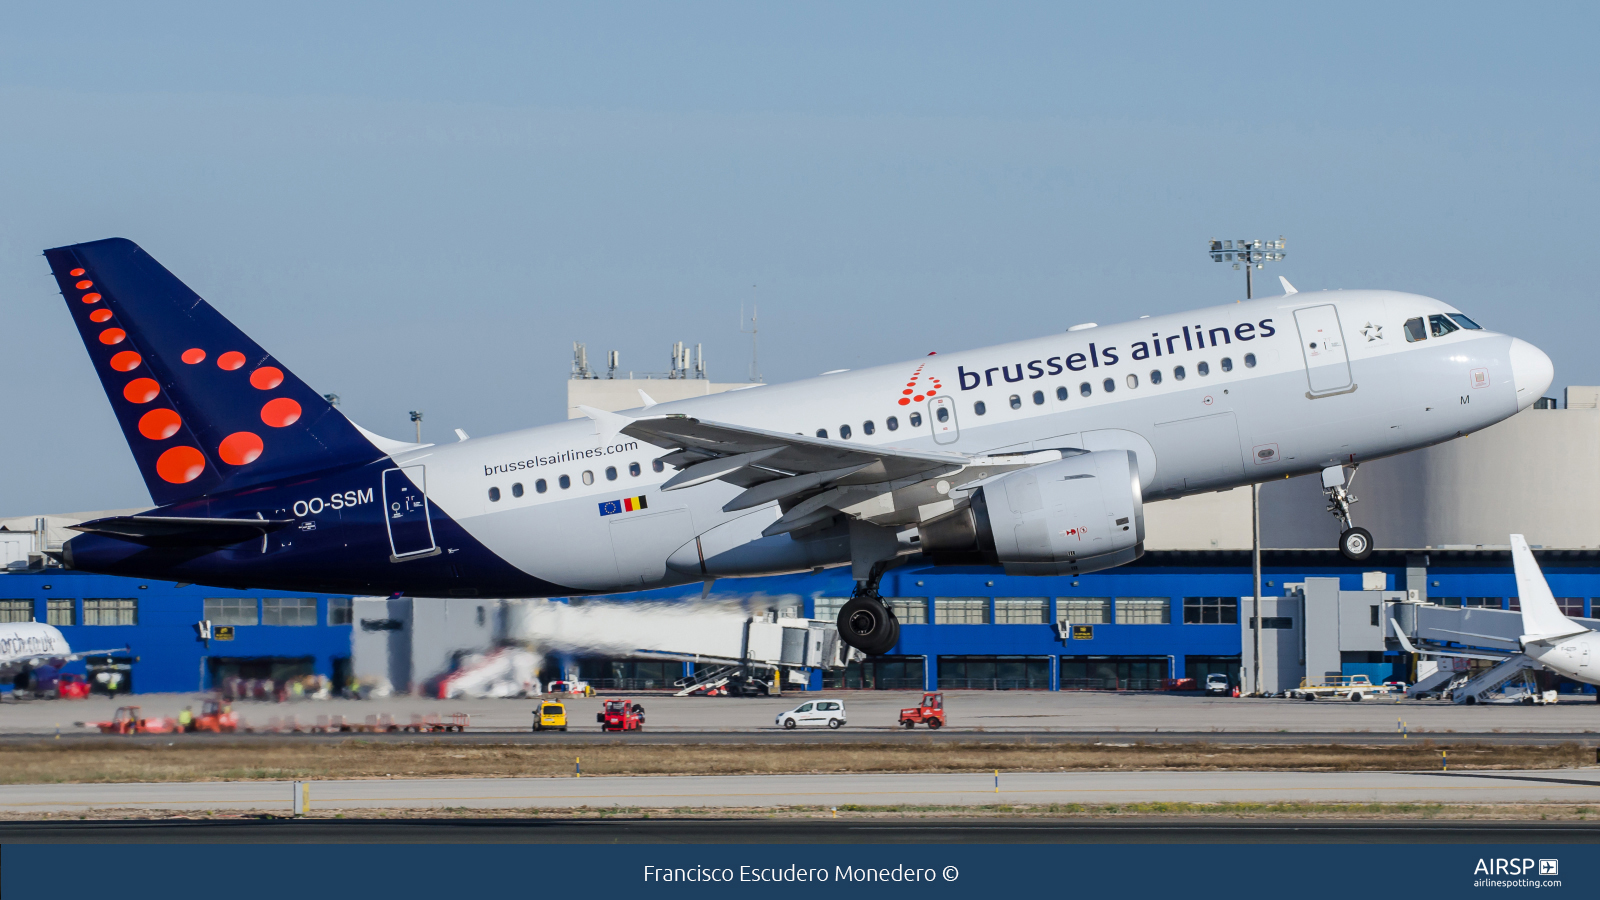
x=1199, y=338
x=913, y=392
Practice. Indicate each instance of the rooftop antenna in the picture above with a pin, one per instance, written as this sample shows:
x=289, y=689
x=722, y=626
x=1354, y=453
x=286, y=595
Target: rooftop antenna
x=699, y=362
x=416, y=419
x=611, y=364
x=754, y=332
x=580, y=361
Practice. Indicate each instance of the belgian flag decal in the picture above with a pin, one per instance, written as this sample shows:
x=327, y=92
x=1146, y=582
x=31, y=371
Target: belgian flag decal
x=626, y=504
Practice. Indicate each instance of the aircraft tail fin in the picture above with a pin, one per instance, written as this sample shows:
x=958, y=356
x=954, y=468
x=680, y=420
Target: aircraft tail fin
x=203, y=408
x=1542, y=618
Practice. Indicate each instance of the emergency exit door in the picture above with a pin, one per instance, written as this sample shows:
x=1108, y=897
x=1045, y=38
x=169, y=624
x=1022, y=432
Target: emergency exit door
x=1323, y=347
x=405, y=505
x=942, y=418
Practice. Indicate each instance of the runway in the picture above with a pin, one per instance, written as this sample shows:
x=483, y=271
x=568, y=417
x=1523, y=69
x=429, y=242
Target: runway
x=795, y=831
x=744, y=791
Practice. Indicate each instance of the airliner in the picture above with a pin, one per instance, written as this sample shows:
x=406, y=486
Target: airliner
x=26, y=645
x=1549, y=636
x=1036, y=456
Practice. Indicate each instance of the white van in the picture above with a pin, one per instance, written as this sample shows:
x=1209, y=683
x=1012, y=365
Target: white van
x=815, y=712
x=1217, y=683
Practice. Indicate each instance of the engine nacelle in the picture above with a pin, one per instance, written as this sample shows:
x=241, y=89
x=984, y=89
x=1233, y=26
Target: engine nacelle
x=1079, y=514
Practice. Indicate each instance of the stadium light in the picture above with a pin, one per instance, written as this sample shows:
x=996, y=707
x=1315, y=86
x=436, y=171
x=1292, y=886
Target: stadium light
x=1252, y=254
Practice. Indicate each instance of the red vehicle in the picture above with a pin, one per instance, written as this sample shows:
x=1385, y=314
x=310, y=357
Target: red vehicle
x=216, y=718
x=130, y=720
x=72, y=687
x=620, y=715
x=930, y=712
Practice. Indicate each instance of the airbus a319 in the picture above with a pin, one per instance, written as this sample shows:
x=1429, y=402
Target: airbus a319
x=1037, y=456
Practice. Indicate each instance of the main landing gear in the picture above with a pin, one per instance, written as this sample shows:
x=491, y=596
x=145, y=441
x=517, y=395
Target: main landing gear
x=866, y=622
x=1355, y=543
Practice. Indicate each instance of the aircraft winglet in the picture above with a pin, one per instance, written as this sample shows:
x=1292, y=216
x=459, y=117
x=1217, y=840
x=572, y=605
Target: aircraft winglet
x=606, y=424
x=1287, y=287
x=648, y=400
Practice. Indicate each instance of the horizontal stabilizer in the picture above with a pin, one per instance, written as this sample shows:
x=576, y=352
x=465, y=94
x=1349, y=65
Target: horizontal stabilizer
x=173, y=531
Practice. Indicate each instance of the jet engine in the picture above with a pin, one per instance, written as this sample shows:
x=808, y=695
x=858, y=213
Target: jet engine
x=1075, y=515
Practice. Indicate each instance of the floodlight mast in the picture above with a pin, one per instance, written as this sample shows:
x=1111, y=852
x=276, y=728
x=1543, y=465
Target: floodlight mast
x=1252, y=253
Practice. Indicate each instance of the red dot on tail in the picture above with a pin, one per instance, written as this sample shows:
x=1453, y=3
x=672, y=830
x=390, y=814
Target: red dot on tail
x=113, y=336
x=159, y=424
x=180, y=465
x=280, y=412
x=141, y=390
x=100, y=315
x=91, y=298
x=231, y=360
x=75, y=273
x=193, y=355
x=240, y=448
x=266, y=378
x=126, y=361
x=85, y=285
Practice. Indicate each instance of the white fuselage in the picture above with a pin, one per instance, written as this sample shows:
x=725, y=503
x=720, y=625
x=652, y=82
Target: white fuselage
x=27, y=643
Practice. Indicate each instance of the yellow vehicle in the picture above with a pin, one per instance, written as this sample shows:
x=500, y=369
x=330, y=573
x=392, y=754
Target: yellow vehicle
x=551, y=714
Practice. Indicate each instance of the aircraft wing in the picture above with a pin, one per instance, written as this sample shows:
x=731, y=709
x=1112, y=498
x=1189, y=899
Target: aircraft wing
x=771, y=465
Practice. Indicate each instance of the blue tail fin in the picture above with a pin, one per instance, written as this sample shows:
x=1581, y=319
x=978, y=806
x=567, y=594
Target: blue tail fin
x=203, y=407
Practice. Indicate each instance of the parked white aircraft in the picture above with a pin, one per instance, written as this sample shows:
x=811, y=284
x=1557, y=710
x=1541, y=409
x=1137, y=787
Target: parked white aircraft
x=24, y=645
x=1549, y=636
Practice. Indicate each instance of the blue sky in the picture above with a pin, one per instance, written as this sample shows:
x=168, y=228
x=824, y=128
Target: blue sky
x=422, y=206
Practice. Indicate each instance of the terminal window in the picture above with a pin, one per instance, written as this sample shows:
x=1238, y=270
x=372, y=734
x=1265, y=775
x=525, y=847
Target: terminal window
x=961, y=610
x=1144, y=610
x=16, y=610
x=339, y=611
x=1282, y=623
x=231, y=610
x=1022, y=610
x=909, y=610
x=289, y=611
x=1084, y=610
x=107, y=611
x=1211, y=610
x=62, y=611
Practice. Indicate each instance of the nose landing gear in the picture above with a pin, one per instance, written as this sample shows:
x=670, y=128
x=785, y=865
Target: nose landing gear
x=1355, y=543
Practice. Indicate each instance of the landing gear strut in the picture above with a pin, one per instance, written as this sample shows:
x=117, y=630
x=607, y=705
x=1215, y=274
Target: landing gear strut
x=1355, y=543
x=866, y=622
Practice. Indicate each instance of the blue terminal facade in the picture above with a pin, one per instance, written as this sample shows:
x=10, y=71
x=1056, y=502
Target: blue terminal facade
x=1171, y=615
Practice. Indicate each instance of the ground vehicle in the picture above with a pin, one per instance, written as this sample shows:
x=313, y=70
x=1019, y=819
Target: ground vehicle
x=929, y=712
x=72, y=687
x=550, y=714
x=816, y=712
x=1351, y=687
x=580, y=688
x=130, y=720
x=216, y=717
x=1217, y=683
x=620, y=715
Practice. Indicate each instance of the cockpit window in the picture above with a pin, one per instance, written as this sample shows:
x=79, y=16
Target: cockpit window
x=1441, y=325
x=1415, y=331
x=1465, y=322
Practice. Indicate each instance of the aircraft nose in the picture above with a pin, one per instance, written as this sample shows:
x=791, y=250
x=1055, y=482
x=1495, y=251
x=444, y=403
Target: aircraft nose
x=1531, y=371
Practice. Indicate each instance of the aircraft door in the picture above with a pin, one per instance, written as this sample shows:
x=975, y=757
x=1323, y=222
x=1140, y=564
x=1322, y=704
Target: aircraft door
x=942, y=419
x=1323, y=347
x=405, y=505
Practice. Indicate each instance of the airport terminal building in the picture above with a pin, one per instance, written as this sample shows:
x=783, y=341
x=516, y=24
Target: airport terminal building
x=1441, y=519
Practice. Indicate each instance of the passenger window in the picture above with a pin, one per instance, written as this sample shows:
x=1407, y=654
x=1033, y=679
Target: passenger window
x=588, y=477
x=516, y=489
x=916, y=420
x=1062, y=393
x=1155, y=376
x=844, y=432
x=1109, y=385
x=1227, y=364
x=867, y=427
x=1133, y=380
x=1465, y=322
x=1441, y=325
x=564, y=481
x=822, y=433
x=1038, y=398
x=1016, y=402
x=1249, y=360
x=656, y=465
x=633, y=469
x=540, y=486
x=978, y=408
x=941, y=414
x=611, y=473
x=1204, y=368
x=893, y=424
x=494, y=495
x=1085, y=389
x=1178, y=373
x=1415, y=331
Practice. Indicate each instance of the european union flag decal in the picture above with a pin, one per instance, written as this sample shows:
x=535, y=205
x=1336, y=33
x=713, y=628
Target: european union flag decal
x=626, y=504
